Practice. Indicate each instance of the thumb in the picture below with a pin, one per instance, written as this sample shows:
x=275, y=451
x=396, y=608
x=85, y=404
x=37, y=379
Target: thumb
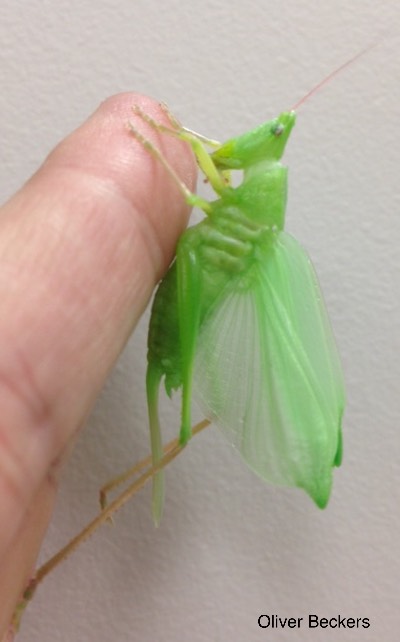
x=82, y=246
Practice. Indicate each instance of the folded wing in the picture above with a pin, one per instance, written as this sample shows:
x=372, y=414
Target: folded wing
x=268, y=374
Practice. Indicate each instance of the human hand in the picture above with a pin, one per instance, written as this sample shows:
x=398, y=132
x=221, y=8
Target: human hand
x=82, y=246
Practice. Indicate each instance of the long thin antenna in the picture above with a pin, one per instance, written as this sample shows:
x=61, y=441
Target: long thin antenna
x=334, y=73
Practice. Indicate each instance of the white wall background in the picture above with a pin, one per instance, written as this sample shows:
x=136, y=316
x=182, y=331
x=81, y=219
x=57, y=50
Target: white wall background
x=231, y=547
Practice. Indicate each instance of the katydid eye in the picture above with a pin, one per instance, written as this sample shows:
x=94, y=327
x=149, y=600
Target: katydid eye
x=277, y=129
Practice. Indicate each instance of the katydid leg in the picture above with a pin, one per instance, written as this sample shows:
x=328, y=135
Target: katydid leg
x=153, y=379
x=189, y=297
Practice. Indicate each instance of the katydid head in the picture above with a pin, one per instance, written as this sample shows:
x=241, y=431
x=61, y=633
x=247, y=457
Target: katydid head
x=265, y=143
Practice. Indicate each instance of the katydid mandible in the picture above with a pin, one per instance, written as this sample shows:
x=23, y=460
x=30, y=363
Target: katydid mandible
x=239, y=321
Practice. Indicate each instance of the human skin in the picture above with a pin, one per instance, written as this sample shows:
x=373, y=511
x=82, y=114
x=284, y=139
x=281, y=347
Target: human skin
x=82, y=245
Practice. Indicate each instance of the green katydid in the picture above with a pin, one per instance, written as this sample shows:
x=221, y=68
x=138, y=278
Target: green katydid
x=239, y=320
x=239, y=317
